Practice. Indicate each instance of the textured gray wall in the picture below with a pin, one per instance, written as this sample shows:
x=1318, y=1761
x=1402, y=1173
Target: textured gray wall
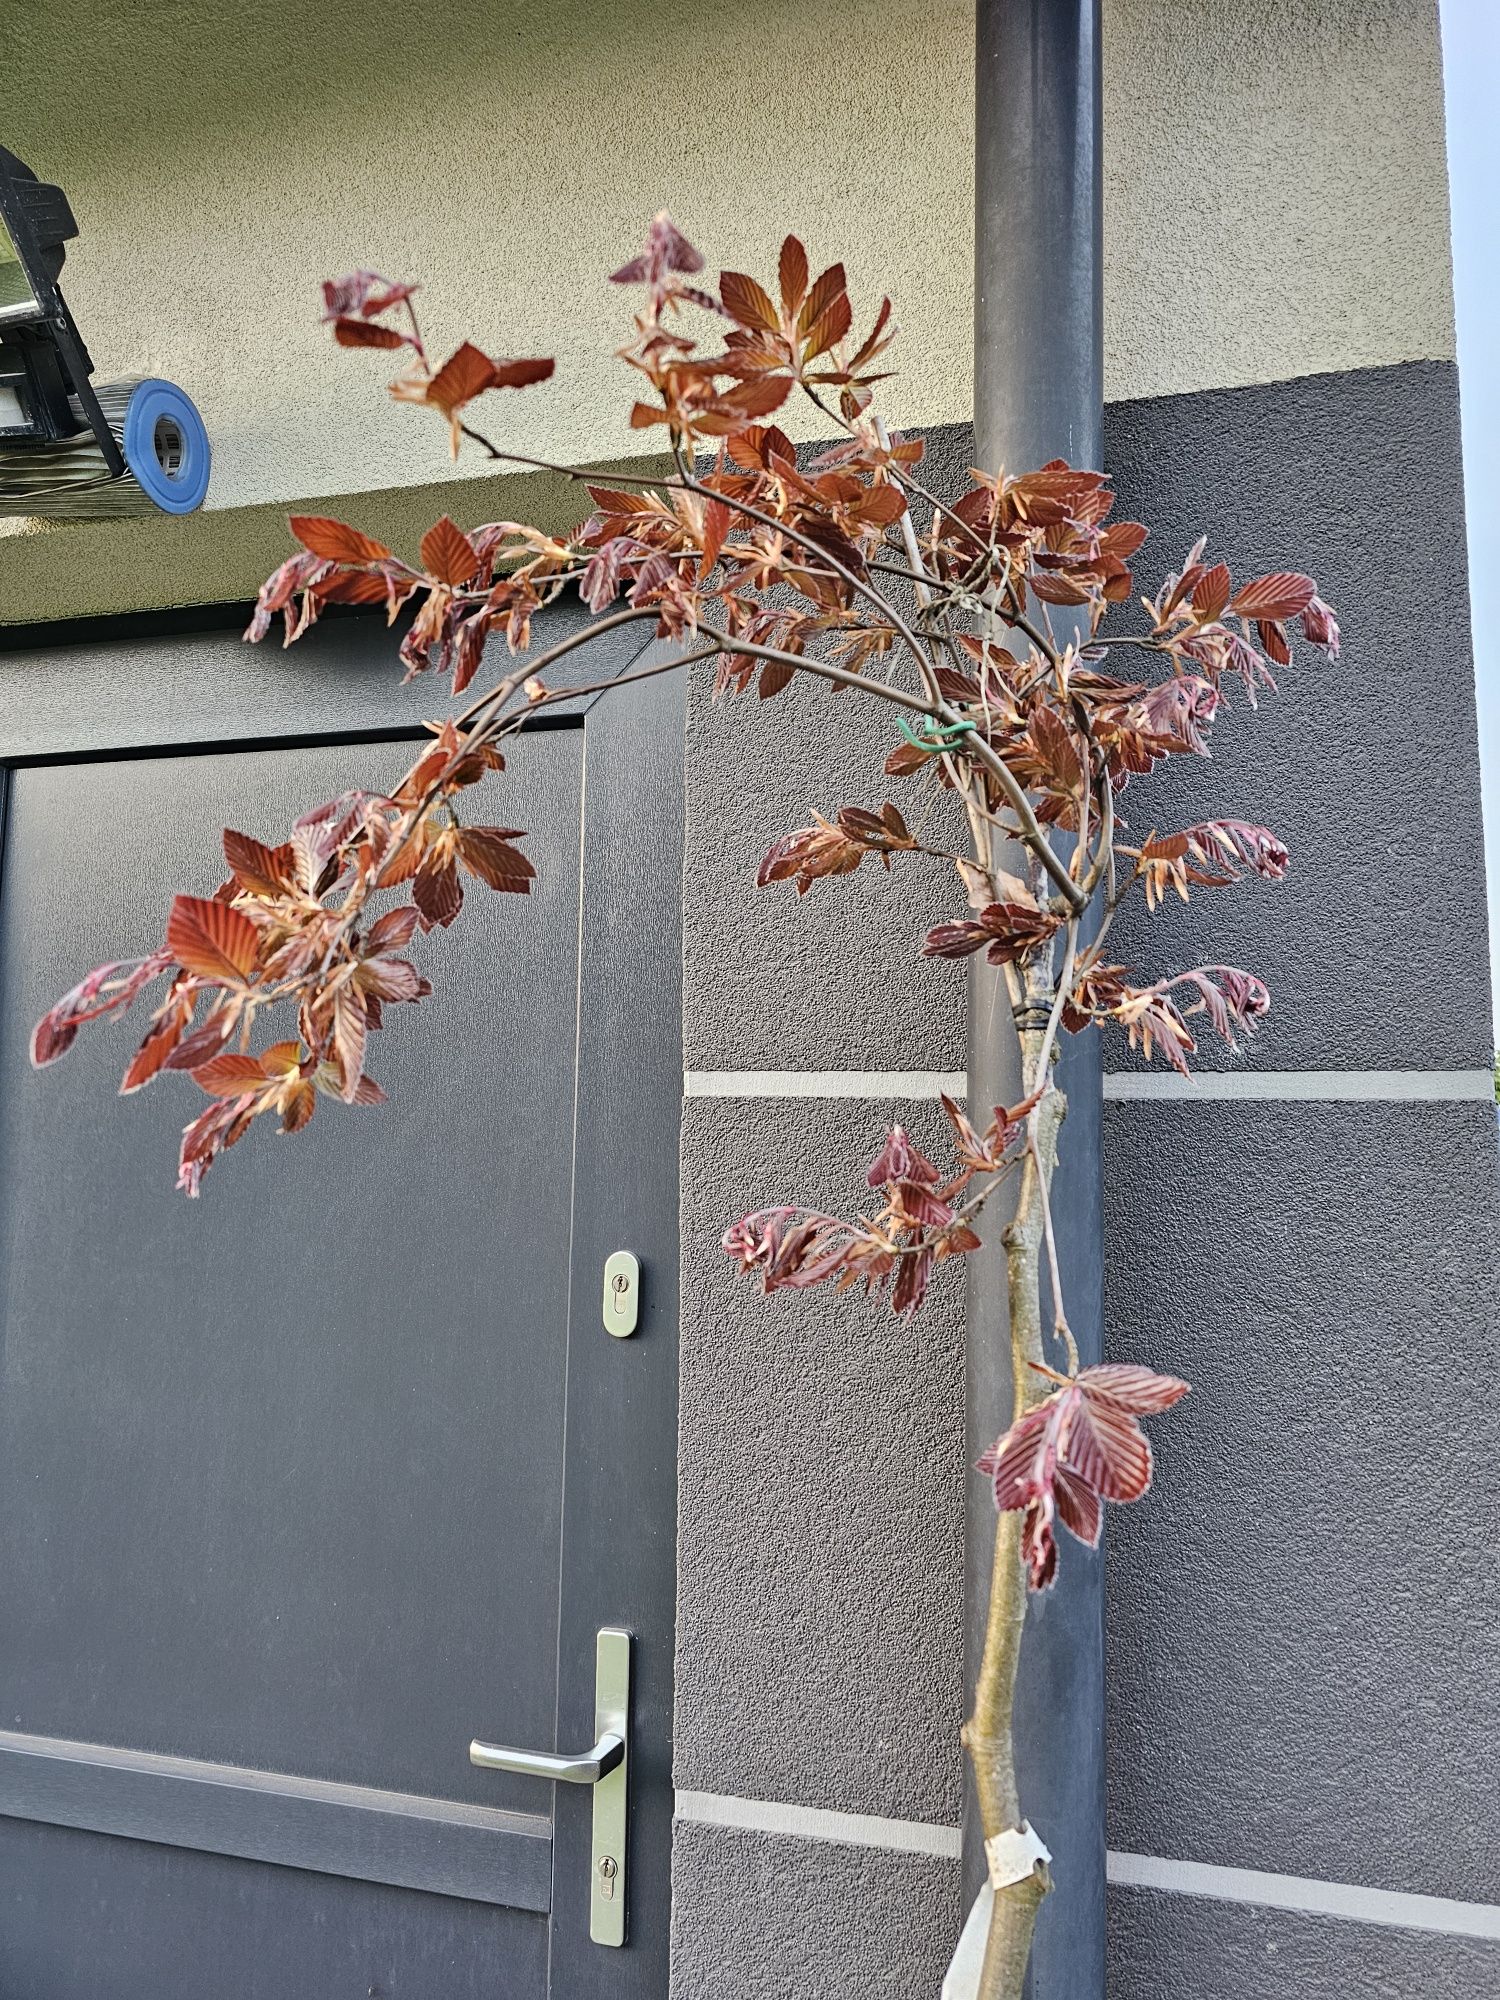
x=832, y=979
x=1367, y=766
x=820, y=1494
x=761, y=1917
x=821, y=1455
x=1164, y=1945
x=1303, y=1615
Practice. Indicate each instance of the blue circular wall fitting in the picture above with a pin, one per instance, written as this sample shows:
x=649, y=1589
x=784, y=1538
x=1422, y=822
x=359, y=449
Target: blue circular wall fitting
x=166, y=446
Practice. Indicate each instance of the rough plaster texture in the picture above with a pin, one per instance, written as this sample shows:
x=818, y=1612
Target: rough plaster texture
x=763, y=1917
x=1367, y=767
x=820, y=1494
x=1260, y=221
x=510, y=157
x=1275, y=190
x=832, y=979
x=1304, y=1614
x=91, y=568
x=1196, y=1949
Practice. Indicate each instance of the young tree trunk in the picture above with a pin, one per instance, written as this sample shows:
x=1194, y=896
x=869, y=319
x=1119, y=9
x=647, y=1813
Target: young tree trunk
x=989, y=1734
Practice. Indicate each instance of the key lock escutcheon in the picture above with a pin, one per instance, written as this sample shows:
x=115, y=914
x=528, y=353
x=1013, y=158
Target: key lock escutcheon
x=606, y=1767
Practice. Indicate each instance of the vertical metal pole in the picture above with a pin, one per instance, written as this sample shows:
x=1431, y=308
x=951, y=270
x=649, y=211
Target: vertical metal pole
x=1038, y=392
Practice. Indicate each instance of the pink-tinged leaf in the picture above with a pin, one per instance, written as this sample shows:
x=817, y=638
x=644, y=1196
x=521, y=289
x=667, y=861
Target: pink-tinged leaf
x=211, y=941
x=667, y=249
x=466, y=373
x=1320, y=627
x=898, y=1160
x=392, y=979
x=161, y=1039
x=363, y=292
x=448, y=554
x=829, y=328
x=106, y=990
x=792, y=274
x=1083, y=1445
x=264, y=871
x=959, y=939
x=349, y=1032
x=335, y=541
x=198, y=1047
x=911, y=1282
x=1140, y=1390
x=747, y=302
x=521, y=374
x=437, y=893
x=1283, y=594
x=208, y=1136
x=830, y=286
x=362, y=333
x=393, y=931
x=1272, y=636
x=298, y=1105
x=230, y=1075
x=716, y=523
x=486, y=851
x=919, y=1206
x=1211, y=592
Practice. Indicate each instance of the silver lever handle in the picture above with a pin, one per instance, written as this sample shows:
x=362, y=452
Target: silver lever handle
x=607, y=1754
x=606, y=1767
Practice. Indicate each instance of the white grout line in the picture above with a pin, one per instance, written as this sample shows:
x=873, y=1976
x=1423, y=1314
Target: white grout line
x=1395, y=1908
x=822, y=1083
x=1325, y=1085
x=902, y=1836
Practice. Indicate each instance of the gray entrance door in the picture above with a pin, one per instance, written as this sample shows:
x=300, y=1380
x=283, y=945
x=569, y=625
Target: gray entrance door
x=307, y=1483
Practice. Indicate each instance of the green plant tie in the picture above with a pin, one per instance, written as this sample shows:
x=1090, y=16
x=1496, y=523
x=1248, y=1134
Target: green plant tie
x=939, y=736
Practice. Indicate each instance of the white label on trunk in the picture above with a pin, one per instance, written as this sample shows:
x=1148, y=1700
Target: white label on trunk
x=1013, y=1854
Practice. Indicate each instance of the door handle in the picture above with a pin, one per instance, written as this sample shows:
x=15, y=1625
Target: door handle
x=587, y=1769
x=606, y=1767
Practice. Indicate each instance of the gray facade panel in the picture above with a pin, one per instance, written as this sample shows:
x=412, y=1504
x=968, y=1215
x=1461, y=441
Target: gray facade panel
x=767, y=1917
x=832, y=979
x=1367, y=767
x=821, y=1490
x=1304, y=1614
x=1197, y=1949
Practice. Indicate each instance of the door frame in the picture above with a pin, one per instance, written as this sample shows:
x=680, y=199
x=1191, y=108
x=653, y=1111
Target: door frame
x=149, y=685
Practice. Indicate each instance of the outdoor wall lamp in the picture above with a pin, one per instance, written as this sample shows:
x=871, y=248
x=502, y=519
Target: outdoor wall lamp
x=68, y=449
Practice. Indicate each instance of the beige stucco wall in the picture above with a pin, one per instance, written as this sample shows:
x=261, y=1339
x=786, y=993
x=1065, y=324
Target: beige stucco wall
x=1275, y=205
x=1276, y=193
x=509, y=156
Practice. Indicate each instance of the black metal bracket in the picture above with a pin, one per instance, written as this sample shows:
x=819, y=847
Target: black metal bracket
x=43, y=361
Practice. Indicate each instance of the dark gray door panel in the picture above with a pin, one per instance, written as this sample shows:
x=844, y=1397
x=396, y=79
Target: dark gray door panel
x=90, y=1918
x=280, y=1468
x=306, y=1483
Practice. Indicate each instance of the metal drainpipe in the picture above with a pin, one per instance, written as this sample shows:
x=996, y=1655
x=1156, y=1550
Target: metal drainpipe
x=1038, y=392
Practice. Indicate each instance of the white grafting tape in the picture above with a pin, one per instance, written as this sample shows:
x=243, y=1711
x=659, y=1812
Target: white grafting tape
x=165, y=446
x=1013, y=1854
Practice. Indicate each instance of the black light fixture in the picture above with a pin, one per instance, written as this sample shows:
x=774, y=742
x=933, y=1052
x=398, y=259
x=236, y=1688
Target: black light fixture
x=69, y=450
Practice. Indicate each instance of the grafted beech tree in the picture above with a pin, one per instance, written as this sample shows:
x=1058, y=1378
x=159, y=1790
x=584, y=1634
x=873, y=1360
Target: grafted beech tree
x=837, y=564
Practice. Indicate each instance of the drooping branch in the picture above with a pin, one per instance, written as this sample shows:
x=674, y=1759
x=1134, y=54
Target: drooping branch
x=776, y=565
